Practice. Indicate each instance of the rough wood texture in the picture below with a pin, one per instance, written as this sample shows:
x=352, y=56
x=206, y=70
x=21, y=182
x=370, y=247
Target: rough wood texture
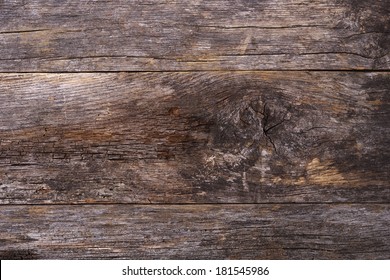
x=196, y=231
x=194, y=137
x=243, y=164
x=154, y=35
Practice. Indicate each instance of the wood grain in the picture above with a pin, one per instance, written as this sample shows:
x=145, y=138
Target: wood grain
x=186, y=150
x=153, y=35
x=195, y=232
x=223, y=137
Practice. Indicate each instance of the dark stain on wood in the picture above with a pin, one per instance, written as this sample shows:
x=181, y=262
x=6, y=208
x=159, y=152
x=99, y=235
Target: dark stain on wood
x=18, y=255
x=190, y=137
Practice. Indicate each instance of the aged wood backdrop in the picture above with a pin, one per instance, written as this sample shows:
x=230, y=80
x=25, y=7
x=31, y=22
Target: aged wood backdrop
x=194, y=129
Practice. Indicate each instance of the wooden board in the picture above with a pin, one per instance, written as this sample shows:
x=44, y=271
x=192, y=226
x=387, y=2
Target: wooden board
x=250, y=137
x=194, y=129
x=196, y=232
x=197, y=35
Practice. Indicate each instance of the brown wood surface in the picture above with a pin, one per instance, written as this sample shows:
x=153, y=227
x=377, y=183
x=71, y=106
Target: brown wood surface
x=194, y=137
x=194, y=129
x=196, y=231
x=124, y=35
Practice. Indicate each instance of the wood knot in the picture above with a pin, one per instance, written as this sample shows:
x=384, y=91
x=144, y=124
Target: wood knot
x=174, y=111
x=249, y=126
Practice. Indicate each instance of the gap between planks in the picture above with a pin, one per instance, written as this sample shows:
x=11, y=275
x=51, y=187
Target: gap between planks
x=194, y=204
x=206, y=71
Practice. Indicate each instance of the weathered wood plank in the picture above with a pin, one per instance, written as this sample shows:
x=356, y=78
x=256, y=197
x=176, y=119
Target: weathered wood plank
x=226, y=137
x=124, y=35
x=195, y=232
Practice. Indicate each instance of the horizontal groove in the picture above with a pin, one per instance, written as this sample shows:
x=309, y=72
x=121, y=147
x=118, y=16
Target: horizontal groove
x=189, y=71
x=197, y=204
